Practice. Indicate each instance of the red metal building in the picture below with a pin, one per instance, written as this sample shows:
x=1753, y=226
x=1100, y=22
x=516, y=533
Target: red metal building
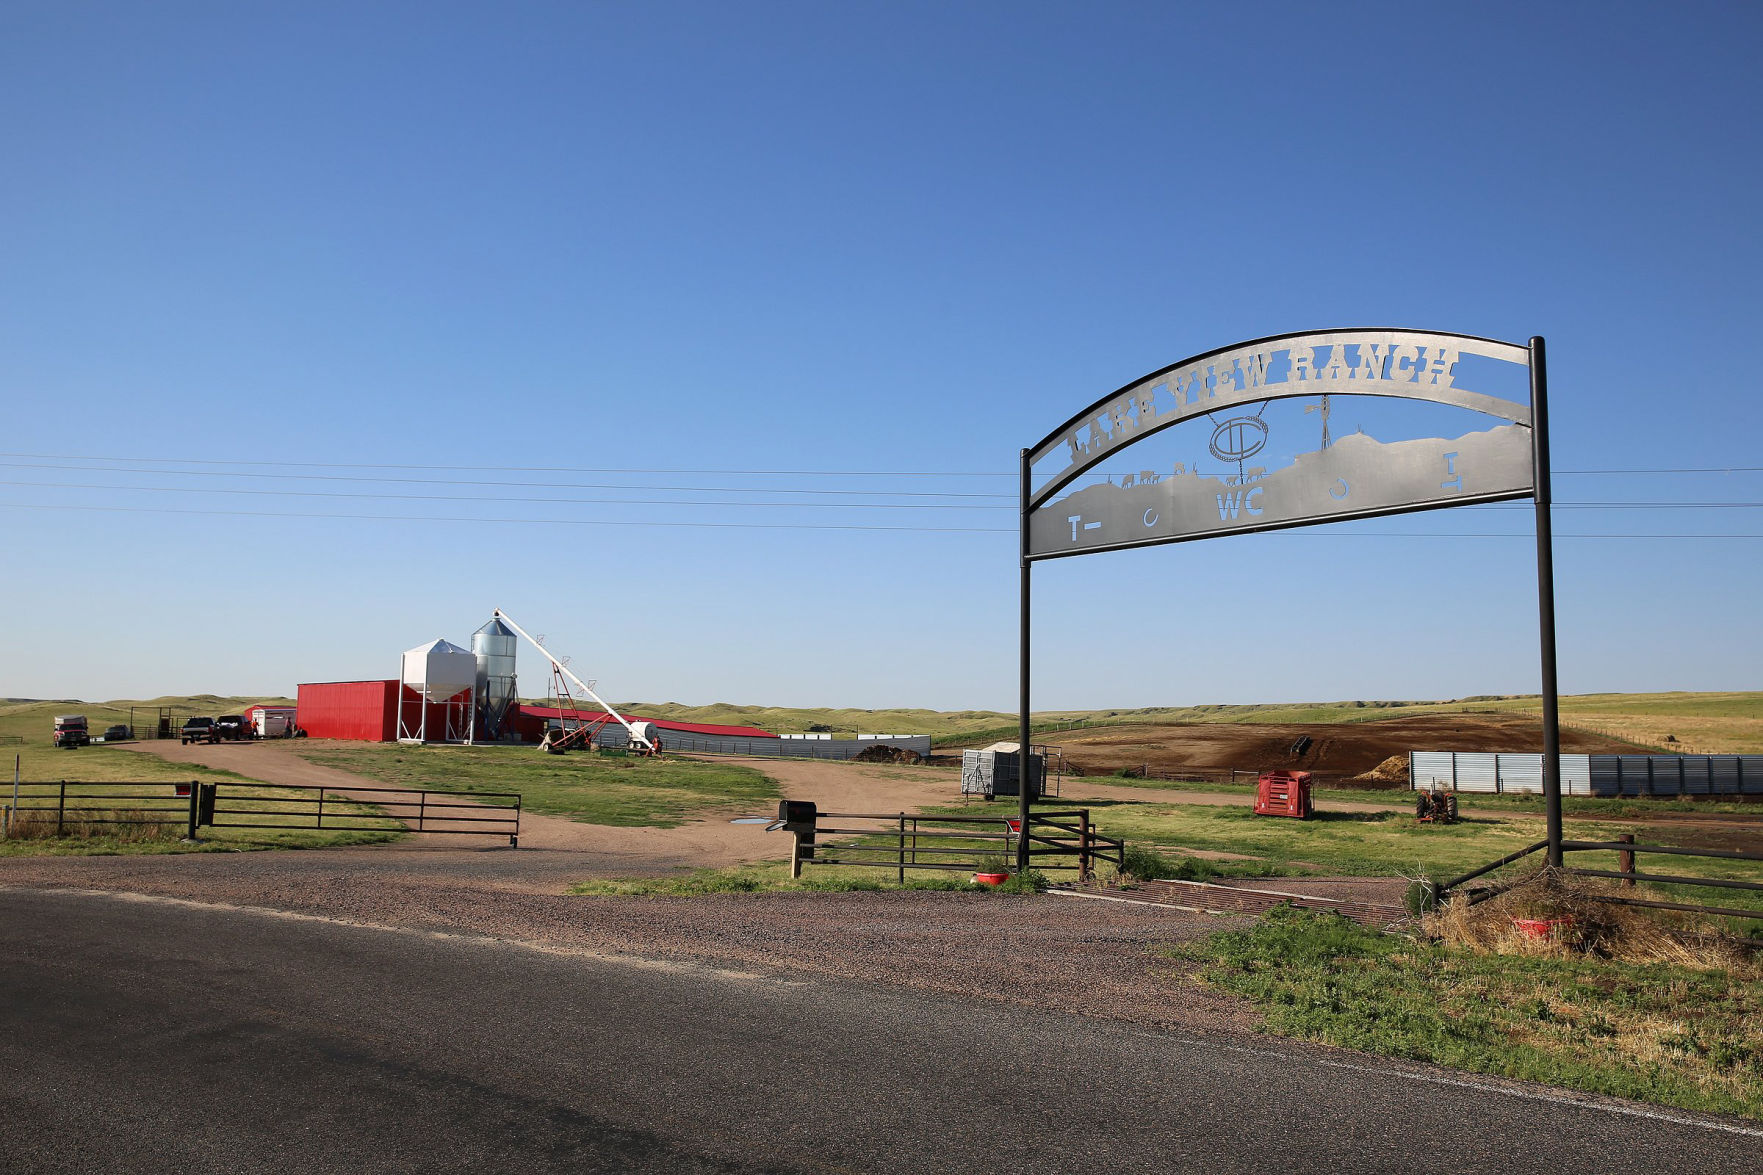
x=360, y=710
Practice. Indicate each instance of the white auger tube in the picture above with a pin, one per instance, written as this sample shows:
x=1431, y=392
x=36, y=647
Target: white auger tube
x=585, y=688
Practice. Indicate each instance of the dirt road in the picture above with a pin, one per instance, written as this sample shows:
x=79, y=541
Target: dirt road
x=839, y=787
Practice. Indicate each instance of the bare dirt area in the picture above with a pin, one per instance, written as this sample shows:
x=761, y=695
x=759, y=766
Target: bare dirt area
x=1336, y=750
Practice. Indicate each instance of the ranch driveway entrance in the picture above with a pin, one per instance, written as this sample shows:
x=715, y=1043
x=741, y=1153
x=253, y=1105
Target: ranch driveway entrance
x=709, y=843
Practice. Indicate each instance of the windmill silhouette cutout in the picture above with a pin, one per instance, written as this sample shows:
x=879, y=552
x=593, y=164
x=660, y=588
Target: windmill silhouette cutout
x=1322, y=408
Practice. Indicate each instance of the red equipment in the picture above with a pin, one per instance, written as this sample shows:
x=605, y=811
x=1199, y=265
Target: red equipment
x=1284, y=793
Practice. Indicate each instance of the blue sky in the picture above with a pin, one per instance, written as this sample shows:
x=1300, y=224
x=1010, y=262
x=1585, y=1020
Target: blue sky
x=831, y=240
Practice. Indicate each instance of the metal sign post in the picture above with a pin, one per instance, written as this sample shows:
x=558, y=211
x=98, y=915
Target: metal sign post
x=1348, y=477
x=1022, y=746
x=1539, y=435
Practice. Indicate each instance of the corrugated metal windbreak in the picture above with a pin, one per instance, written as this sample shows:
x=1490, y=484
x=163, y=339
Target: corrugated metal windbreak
x=364, y=711
x=1587, y=775
x=613, y=735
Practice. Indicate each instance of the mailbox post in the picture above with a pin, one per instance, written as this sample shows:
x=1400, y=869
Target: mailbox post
x=798, y=818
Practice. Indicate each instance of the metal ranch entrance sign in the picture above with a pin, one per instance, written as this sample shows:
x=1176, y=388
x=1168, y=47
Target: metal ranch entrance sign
x=1354, y=476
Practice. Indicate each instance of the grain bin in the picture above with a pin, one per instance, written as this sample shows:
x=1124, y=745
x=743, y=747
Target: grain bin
x=494, y=647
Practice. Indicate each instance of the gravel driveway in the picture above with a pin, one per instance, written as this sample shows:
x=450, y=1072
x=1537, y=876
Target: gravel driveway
x=1088, y=957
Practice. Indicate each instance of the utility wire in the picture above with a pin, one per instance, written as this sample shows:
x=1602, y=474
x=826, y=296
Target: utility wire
x=539, y=485
x=524, y=468
x=731, y=472
x=794, y=525
x=515, y=498
x=69, y=485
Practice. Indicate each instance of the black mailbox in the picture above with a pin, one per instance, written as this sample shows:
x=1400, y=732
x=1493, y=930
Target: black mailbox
x=797, y=815
x=798, y=818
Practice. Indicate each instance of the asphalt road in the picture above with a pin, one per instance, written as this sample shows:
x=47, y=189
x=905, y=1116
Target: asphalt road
x=146, y=1034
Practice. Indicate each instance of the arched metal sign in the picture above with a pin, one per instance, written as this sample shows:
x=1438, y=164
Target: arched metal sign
x=1355, y=476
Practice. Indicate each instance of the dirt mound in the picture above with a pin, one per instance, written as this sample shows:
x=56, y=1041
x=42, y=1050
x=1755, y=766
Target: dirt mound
x=882, y=753
x=1392, y=770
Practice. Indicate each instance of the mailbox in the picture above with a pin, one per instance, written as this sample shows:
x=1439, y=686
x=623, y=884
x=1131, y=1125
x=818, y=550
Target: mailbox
x=797, y=815
x=799, y=818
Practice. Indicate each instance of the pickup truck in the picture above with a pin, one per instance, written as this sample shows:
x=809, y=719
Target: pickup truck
x=200, y=730
x=71, y=731
x=232, y=727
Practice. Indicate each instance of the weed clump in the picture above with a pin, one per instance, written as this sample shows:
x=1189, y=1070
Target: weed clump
x=1144, y=864
x=122, y=826
x=1579, y=923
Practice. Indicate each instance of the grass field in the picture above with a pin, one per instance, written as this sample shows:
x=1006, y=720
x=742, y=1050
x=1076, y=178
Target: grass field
x=628, y=792
x=1670, y=1035
x=1701, y=723
x=40, y=763
x=33, y=723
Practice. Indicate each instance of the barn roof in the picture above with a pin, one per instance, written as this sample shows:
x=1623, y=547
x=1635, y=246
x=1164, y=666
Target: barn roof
x=665, y=724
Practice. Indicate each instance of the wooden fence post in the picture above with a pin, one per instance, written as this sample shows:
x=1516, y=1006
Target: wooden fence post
x=1625, y=860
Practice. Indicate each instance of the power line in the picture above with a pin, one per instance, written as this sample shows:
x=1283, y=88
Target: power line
x=68, y=485
x=1693, y=469
x=531, y=521
x=279, y=493
x=526, y=468
x=798, y=525
x=540, y=485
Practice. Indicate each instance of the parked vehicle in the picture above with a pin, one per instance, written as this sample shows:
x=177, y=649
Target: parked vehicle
x=200, y=730
x=232, y=727
x=257, y=721
x=118, y=734
x=70, y=731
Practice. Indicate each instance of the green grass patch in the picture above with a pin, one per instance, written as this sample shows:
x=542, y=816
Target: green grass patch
x=1388, y=843
x=621, y=791
x=1669, y=1035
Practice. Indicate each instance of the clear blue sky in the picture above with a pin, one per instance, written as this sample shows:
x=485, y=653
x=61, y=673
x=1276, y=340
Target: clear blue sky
x=901, y=238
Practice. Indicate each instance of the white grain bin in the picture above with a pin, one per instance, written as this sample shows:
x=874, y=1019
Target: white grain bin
x=439, y=670
x=437, y=683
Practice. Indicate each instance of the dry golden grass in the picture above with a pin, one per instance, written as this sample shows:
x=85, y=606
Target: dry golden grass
x=130, y=826
x=1624, y=933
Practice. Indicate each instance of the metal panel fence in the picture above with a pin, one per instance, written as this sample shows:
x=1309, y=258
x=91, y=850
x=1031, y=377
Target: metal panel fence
x=613, y=735
x=1589, y=775
x=901, y=841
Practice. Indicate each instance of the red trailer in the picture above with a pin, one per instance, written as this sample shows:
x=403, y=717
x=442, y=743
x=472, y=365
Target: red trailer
x=1284, y=793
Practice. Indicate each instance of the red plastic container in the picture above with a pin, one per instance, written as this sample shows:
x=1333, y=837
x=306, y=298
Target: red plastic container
x=1543, y=927
x=1284, y=793
x=990, y=878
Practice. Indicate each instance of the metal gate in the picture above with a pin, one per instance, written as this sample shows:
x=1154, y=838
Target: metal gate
x=237, y=805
